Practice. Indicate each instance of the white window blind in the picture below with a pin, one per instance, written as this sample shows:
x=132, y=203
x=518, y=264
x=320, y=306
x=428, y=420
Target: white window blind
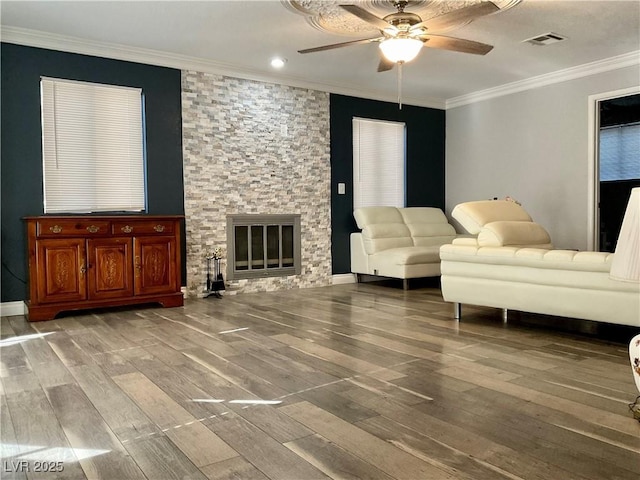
x=378, y=163
x=93, y=147
x=620, y=152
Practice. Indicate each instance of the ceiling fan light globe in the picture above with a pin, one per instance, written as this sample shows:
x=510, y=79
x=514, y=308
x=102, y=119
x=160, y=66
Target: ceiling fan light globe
x=401, y=49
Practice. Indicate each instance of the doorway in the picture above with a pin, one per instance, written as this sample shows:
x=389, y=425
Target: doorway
x=614, y=145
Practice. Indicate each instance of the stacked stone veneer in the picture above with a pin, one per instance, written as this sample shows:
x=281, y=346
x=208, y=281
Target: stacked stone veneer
x=256, y=148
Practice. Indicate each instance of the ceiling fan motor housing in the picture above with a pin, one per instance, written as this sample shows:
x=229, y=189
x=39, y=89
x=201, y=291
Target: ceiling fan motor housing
x=402, y=19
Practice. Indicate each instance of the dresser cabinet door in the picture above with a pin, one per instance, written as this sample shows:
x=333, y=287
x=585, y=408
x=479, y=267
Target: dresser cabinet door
x=110, y=268
x=61, y=270
x=155, y=266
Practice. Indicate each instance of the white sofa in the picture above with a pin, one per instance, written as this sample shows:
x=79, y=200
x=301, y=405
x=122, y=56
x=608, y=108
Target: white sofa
x=511, y=265
x=399, y=242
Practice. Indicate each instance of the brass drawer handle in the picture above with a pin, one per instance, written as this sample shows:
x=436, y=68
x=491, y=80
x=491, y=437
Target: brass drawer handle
x=92, y=229
x=159, y=228
x=56, y=229
x=127, y=229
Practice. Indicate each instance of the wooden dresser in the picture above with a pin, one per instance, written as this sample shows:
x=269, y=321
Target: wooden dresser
x=78, y=262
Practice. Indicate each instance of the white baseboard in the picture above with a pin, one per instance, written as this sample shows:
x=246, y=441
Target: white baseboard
x=9, y=309
x=343, y=278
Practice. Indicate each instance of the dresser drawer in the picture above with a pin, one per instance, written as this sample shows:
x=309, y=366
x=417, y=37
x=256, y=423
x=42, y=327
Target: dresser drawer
x=139, y=227
x=57, y=227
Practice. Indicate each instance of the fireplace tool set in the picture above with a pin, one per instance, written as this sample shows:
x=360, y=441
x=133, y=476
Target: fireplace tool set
x=215, y=282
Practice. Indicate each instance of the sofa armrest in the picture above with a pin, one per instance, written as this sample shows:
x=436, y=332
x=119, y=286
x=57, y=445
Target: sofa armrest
x=359, y=258
x=465, y=240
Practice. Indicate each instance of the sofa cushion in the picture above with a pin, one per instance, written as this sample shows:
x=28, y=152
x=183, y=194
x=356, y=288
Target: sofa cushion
x=383, y=236
x=514, y=233
x=428, y=226
x=372, y=215
x=427, y=215
x=474, y=215
x=407, y=256
x=382, y=228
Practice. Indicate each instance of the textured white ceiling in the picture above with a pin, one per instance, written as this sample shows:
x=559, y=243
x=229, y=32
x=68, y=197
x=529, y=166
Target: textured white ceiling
x=240, y=37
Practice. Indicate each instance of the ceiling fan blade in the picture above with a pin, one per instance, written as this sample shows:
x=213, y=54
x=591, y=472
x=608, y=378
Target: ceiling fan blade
x=457, y=16
x=385, y=64
x=370, y=18
x=340, y=45
x=456, y=44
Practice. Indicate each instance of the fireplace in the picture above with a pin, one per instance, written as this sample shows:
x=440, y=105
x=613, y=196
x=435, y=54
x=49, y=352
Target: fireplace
x=263, y=246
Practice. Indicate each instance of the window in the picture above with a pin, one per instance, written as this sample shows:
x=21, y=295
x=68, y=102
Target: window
x=263, y=245
x=378, y=163
x=620, y=152
x=93, y=147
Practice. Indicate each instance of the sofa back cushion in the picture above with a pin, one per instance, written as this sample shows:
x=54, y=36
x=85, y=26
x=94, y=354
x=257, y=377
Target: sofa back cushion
x=514, y=234
x=428, y=226
x=475, y=215
x=382, y=228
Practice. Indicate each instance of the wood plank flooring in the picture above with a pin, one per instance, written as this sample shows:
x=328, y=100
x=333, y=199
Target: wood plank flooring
x=363, y=381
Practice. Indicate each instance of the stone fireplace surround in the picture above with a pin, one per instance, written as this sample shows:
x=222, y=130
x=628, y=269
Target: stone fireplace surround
x=255, y=148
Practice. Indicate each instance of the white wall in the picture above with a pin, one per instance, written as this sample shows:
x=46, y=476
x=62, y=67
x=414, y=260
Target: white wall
x=533, y=146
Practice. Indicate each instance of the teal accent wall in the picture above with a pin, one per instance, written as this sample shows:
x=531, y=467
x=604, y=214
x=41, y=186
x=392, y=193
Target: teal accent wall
x=21, y=149
x=424, y=168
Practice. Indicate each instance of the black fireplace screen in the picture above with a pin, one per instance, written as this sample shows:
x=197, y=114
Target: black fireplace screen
x=263, y=245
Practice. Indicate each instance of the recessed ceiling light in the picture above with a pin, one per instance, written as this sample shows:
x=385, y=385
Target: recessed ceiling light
x=278, y=62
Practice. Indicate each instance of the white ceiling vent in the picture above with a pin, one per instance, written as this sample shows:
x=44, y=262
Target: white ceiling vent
x=545, y=39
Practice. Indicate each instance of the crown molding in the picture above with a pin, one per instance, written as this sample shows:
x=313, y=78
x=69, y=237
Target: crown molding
x=34, y=38
x=585, y=70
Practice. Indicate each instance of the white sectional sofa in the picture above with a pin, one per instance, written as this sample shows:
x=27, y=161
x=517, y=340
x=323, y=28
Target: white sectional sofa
x=399, y=242
x=511, y=265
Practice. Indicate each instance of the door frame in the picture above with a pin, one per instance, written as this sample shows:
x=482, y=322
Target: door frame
x=593, y=166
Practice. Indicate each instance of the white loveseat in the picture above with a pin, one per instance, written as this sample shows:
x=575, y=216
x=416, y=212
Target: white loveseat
x=399, y=242
x=505, y=267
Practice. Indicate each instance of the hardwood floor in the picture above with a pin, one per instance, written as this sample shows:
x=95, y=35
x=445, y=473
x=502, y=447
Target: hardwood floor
x=360, y=381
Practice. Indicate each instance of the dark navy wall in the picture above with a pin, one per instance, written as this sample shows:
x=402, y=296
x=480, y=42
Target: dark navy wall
x=21, y=162
x=424, y=167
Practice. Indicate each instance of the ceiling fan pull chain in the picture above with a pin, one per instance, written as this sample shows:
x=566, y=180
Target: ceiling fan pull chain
x=400, y=85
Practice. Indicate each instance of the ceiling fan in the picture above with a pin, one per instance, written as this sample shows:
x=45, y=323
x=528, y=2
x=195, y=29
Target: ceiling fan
x=405, y=33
